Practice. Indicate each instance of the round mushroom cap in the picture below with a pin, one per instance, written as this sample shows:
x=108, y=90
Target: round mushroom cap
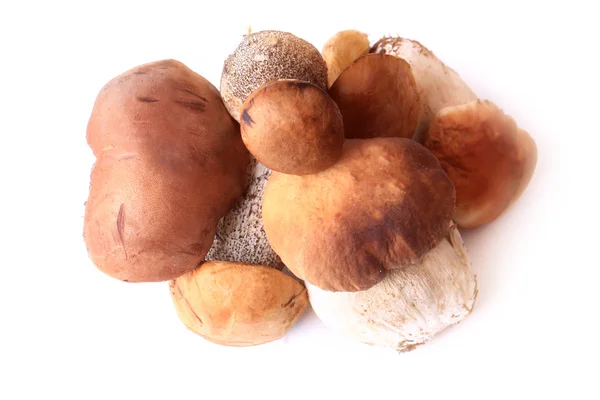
x=342, y=49
x=410, y=306
x=487, y=156
x=383, y=205
x=293, y=127
x=377, y=96
x=265, y=56
x=236, y=304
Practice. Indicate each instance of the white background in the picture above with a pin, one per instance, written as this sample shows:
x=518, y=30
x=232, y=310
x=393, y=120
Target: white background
x=69, y=331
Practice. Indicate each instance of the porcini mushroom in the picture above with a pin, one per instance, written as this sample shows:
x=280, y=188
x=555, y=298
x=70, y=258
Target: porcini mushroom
x=293, y=127
x=383, y=205
x=377, y=97
x=487, y=156
x=236, y=304
x=265, y=56
x=410, y=305
x=342, y=49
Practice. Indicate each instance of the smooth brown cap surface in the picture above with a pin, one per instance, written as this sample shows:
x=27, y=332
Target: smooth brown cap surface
x=237, y=304
x=293, y=127
x=377, y=96
x=383, y=205
x=170, y=163
x=487, y=156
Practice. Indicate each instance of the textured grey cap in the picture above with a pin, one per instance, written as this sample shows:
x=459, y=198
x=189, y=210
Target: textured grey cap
x=265, y=56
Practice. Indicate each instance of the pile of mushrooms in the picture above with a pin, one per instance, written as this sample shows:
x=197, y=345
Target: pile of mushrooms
x=365, y=161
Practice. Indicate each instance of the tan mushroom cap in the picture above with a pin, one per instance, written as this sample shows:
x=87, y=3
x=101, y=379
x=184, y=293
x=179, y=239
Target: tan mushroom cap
x=236, y=304
x=342, y=49
x=487, y=156
x=383, y=205
x=292, y=126
x=377, y=96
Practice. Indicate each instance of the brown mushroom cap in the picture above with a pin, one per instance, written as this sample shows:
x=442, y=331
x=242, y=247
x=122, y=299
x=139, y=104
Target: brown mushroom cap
x=487, y=156
x=383, y=205
x=377, y=96
x=236, y=304
x=293, y=127
x=169, y=164
x=265, y=56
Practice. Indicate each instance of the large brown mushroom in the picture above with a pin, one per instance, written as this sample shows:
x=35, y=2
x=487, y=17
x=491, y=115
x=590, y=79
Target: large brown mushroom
x=488, y=157
x=170, y=163
x=383, y=205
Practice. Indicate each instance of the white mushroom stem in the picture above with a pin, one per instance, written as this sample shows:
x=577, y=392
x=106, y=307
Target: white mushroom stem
x=438, y=85
x=410, y=306
x=240, y=235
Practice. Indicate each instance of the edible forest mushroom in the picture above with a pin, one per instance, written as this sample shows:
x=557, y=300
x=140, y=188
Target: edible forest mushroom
x=383, y=205
x=170, y=163
x=293, y=127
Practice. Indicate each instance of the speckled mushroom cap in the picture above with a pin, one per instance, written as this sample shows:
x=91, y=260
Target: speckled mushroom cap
x=383, y=205
x=265, y=56
x=240, y=235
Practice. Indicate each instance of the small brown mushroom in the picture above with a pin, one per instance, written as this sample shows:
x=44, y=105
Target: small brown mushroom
x=383, y=205
x=487, y=156
x=237, y=304
x=377, y=96
x=342, y=49
x=293, y=127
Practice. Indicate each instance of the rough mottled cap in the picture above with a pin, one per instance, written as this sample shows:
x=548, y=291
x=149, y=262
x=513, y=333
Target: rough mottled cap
x=265, y=56
x=487, y=156
x=383, y=205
